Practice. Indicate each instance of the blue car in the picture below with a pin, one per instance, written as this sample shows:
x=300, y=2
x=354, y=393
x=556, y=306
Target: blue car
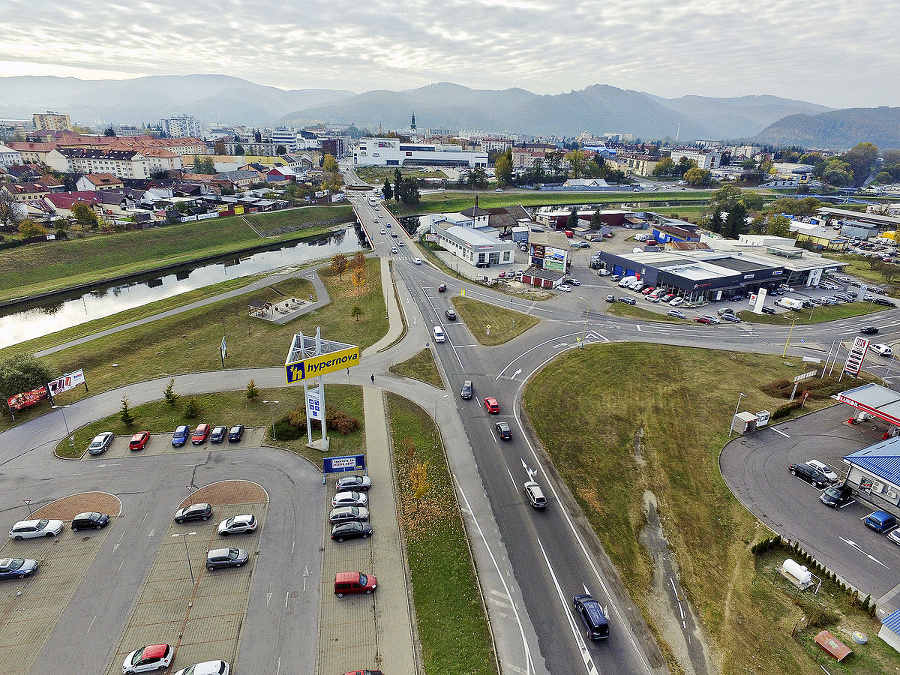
x=181, y=436
x=17, y=568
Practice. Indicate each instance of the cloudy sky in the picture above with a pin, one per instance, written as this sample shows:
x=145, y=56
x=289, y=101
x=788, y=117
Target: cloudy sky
x=836, y=53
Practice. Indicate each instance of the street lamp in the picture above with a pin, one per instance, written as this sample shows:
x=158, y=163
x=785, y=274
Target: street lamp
x=790, y=332
x=186, y=554
x=736, y=408
x=66, y=422
x=272, y=405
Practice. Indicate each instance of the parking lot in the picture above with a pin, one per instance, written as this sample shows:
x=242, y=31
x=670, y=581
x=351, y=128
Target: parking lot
x=31, y=607
x=197, y=611
x=161, y=444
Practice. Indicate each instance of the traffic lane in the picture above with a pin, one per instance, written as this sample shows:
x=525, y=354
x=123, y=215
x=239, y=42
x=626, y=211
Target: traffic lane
x=756, y=471
x=548, y=558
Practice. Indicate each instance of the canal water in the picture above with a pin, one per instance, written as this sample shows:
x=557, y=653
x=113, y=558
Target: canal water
x=61, y=312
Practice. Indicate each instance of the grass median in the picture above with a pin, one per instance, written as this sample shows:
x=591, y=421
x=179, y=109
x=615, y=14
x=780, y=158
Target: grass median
x=452, y=623
x=420, y=367
x=491, y=324
x=593, y=407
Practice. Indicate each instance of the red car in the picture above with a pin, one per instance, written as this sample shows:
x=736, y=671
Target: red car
x=442, y=288
x=201, y=433
x=648, y=290
x=139, y=440
x=491, y=404
x=702, y=319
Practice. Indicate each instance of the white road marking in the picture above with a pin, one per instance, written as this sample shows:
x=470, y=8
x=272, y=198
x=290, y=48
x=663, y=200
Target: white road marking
x=853, y=544
x=779, y=431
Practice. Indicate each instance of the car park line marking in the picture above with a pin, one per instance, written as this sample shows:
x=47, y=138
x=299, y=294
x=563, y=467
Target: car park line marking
x=529, y=662
x=582, y=647
x=853, y=544
x=779, y=431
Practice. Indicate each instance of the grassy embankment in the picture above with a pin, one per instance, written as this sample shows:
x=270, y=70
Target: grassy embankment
x=680, y=400
x=420, y=367
x=492, y=324
x=229, y=408
x=452, y=624
x=40, y=268
x=189, y=342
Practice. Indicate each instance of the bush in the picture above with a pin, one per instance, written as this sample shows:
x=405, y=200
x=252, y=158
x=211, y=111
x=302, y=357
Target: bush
x=337, y=420
x=192, y=409
x=252, y=390
x=285, y=431
x=786, y=409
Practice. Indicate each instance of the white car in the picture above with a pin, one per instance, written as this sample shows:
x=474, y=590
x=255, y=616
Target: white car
x=439, y=335
x=244, y=524
x=604, y=272
x=148, y=659
x=674, y=302
x=823, y=468
x=383, y=231
x=206, y=668
x=30, y=529
x=882, y=349
x=417, y=261
x=350, y=498
x=565, y=288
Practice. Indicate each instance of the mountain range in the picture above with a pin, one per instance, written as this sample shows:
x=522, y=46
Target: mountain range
x=597, y=109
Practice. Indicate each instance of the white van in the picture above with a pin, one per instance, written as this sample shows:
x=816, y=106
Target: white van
x=625, y=281
x=439, y=334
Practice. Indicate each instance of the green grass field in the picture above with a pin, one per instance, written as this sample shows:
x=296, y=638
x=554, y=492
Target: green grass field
x=590, y=405
x=492, y=324
x=420, y=367
x=450, y=617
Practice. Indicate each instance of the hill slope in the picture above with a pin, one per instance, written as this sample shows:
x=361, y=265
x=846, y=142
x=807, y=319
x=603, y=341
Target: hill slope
x=836, y=130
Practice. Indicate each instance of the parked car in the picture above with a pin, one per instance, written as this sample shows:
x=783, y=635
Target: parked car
x=768, y=310
x=243, y=524
x=702, y=319
x=880, y=521
x=354, y=582
x=809, y=474
x=450, y=314
x=341, y=514
x=350, y=498
x=675, y=302
x=677, y=313
x=201, y=433
x=100, y=443
x=90, y=520
x=884, y=302
x=467, y=390
x=595, y=623
x=31, y=529
x=491, y=404
x=712, y=319
x=628, y=301
x=615, y=277
x=503, y=431
x=824, y=469
x=352, y=529
x=836, y=495
x=181, y=436
x=648, y=290
x=206, y=668
x=201, y=511
x=882, y=349
x=731, y=317
x=358, y=483
x=565, y=288
x=17, y=568
x=218, y=434
x=139, y=440
x=603, y=272
x=148, y=659
x=236, y=433
x=573, y=282
x=610, y=298
x=442, y=288
x=535, y=495
x=725, y=310
x=226, y=557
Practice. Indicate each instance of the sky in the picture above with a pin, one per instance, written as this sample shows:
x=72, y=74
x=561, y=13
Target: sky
x=836, y=53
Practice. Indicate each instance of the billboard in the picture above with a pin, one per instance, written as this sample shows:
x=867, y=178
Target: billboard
x=346, y=463
x=321, y=365
x=66, y=382
x=27, y=398
x=855, y=358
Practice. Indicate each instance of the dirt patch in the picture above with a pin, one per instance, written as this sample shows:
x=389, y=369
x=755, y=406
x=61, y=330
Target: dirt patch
x=69, y=507
x=229, y=492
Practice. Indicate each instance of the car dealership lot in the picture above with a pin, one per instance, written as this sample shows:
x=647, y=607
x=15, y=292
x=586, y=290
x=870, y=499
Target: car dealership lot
x=198, y=611
x=31, y=607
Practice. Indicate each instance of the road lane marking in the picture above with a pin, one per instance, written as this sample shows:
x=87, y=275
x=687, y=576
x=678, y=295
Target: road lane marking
x=853, y=544
x=779, y=431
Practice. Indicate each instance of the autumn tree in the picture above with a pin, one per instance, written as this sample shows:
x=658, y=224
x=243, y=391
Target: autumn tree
x=8, y=208
x=85, y=216
x=358, y=277
x=696, y=176
x=359, y=260
x=329, y=163
x=576, y=161
x=219, y=148
x=503, y=168
x=29, y=228
x=339, y=264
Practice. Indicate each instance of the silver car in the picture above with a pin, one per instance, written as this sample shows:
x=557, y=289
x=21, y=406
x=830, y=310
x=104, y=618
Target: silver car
x=245, y=524
x=30, y=529
x=100, y=443
x=226, y=557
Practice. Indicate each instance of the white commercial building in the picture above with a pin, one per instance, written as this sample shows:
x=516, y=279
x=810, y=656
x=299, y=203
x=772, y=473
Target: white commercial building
x=705, y=159
x=480, y=248
x=8, y=156
x=286, y=137
x=393, y=152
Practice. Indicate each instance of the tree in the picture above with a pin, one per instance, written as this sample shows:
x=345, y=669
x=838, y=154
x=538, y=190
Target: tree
x=239, y=149
x=192, y=409
x=204, y=165
x=890, y=271
x=356, y=311
x=696, y=177
x=724, y=197
x=503, y=168
x=85, y=216
x=9, y=209
x=418, y=478
x=219, y=148
x=339, y=264
x=409, y=192
x=576, y=162
x=358, y=278
x=715, y=220
x=23, y=372
x=387, y=190
x=778, y=226
x=29, y=228
x=281, y=150
x=664, y=167
x=125, y=413
x=398, y=178
x=109, y=132
x=359, y=260
x=329, y=163
x=170, y=395
x=572, y=221
x=736, y=221
x=596, y=220
x=252, y=391
x=861, y=159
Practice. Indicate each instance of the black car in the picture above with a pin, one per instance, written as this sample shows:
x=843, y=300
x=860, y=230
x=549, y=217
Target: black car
x=218, y=434
x=809, y=474
x=450, y=314
x=351, y=530
x=884, y=301
x=236, y=433
x=89, y=521
x=836, y=495
x=868, y=330
x=768, y=310
x=201, y=511
x=467, y=389
x=591, y=613
x=503, y=431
